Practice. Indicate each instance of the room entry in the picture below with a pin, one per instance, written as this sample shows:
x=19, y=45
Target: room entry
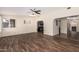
x=68, y=26
x=40, y=26
x=61, y=26
x=72, y=28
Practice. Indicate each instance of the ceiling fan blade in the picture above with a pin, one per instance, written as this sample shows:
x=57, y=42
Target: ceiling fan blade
x=36, y=11
x=39, y=10
x=68, y=7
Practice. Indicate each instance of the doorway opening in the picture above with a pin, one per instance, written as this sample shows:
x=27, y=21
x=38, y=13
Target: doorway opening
x=40, y=27
x=68, y=27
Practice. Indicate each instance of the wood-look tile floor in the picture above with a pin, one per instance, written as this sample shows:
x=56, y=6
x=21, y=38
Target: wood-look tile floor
x=36, y=42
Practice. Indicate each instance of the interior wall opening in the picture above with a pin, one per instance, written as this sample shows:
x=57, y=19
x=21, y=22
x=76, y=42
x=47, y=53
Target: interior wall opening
x=67, y=27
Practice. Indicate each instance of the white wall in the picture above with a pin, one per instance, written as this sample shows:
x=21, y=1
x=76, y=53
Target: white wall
x=21, y=28
x=55, y=28
x=64, y=26
x=49, y=27
x=48, y=15
x=78, y=26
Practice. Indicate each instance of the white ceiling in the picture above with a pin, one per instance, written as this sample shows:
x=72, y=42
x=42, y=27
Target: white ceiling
x=23, y=10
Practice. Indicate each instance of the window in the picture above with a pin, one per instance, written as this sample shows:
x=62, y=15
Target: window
x=5, y=23
x=8, y=23
x=12, y=23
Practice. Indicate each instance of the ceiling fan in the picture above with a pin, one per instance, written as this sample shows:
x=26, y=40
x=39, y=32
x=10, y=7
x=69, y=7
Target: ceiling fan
x=68, y=8
x=36, y=11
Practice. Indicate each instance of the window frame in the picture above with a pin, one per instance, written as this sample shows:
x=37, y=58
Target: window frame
x=9, y=21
